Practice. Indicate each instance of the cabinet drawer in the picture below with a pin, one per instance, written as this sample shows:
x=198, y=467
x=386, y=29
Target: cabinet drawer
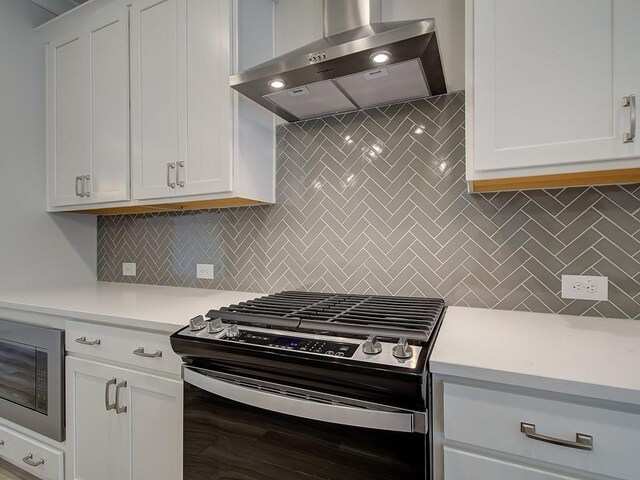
x=459, y=465
x=119, y=345
x=19, y=449
x=492, y=419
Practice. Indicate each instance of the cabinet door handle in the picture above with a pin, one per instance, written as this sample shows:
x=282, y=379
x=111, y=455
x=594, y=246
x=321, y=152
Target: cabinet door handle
x=85, y=184
x=29, y=461
x=583, y=442
x=84, y=341
x=180, y=182
x=170, y=166
x=120, y=408
x=107, y=405
x=79, y=180
x=141, y=353
x=630, y=102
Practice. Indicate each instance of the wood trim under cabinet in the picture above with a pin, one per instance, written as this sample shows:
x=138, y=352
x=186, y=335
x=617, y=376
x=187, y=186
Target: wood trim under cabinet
x=579, y=179
x=173, y=207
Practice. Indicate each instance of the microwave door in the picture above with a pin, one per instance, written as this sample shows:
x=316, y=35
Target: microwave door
x=18, y=373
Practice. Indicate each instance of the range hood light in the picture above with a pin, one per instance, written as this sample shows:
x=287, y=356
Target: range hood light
x=380, y=57
x=277, y=83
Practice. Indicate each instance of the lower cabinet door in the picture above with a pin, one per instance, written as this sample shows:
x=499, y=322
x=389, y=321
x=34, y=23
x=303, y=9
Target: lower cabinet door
x=122, y=424
x=459, y=465
x=152, y=440
x=93, y=432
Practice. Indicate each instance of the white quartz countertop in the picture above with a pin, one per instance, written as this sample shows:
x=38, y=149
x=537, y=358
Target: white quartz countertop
x=137, y=306
x=587, y=356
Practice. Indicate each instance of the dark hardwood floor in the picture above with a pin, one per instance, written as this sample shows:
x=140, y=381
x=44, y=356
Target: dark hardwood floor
x=10, y=472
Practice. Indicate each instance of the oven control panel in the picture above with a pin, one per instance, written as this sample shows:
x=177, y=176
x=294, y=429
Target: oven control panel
x=312, y=345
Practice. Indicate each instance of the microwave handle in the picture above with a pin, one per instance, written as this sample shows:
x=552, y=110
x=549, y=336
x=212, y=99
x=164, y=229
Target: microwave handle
x=309, y=409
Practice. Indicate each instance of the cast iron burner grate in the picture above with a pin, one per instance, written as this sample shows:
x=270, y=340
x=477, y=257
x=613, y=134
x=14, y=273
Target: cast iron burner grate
x=358, y=315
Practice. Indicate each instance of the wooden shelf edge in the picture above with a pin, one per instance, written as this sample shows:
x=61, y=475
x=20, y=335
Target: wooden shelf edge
x=173, y=207
x=581, y=179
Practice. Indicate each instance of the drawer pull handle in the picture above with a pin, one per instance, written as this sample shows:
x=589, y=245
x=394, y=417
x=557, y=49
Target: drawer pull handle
x=107, y=405
x=141, y=353
x=29, y=461
x=583, y=442
x=630, y=102
x=84, y=341
x=120, y=408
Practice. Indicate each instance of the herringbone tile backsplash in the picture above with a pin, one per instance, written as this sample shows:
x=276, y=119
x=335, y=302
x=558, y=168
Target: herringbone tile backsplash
x=375, y=202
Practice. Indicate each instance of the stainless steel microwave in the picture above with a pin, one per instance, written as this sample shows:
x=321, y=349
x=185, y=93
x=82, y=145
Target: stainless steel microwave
x=32, y=377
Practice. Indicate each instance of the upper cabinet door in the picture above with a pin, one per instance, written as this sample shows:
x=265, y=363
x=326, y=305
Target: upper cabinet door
x=549, y=77
x=204, y=97
x=109, y=96
x=627, y=64
x=154, y=97
x=88, y=111
x=68, y=132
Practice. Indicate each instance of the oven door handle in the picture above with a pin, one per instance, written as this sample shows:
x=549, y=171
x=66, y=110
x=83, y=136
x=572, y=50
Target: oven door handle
x=309, y=409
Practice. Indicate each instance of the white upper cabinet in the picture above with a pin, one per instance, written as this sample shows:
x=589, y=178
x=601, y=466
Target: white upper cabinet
x=154, y=97
x=545, y=86
x=88, y=111
x=186, y=138
x=206, y=115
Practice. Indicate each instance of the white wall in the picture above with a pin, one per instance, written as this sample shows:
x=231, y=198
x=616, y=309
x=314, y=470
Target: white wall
x=36, y=248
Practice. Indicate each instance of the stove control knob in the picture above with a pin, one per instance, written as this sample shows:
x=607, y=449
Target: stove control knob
x=196, y=323
x=371, y=345
x=233, y=331
x=402, y=350
x=215, y=326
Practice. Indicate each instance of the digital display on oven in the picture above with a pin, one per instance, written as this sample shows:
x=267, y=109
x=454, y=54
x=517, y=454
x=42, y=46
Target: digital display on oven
x=287, y=342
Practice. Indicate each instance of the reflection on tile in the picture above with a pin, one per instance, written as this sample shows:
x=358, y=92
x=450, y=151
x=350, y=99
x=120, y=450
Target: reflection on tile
x=375, y=202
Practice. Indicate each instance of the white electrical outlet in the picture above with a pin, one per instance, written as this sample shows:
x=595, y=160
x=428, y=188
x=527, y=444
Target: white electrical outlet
x=129, y=269
x=585, y=287
x=205, y=271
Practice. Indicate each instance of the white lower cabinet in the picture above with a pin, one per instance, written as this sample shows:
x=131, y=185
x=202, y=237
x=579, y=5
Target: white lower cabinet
x=460, y=465
x=40, y=460
x=487, y=431
x=122, y=424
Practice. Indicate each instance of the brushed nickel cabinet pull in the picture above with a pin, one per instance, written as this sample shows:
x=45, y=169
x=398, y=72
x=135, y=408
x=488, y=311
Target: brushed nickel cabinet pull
x=180, y=182
x=29, y=461
x=79, y=180
x=107, y=405
x=583, y=442
x=141, y=353
x=120, y=408
x=170, y=166
x=84, y=341
x=85, y=184
x=630, y=102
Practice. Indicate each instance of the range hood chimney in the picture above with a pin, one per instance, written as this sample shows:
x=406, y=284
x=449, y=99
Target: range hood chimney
x=359, y=63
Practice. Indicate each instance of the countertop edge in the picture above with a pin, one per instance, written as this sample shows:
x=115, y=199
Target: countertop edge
x=609, y=393
x=110, y=320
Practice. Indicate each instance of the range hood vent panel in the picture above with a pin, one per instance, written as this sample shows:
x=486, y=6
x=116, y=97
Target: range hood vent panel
x=397, y=82
x=341, y=55
x=322, y=98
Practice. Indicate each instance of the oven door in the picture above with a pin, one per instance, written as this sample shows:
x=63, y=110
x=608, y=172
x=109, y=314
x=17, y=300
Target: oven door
x=238, y=428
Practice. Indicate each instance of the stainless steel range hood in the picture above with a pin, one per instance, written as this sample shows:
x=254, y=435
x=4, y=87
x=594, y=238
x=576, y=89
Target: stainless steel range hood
x=338, y=73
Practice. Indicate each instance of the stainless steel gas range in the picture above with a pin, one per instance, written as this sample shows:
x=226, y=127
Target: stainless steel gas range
x=309, y=385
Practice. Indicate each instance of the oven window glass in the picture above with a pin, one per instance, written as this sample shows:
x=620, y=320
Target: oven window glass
x=18, y=373
x=226, y=439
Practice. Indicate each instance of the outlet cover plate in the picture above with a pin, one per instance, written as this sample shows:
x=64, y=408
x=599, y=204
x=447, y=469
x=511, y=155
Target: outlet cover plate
x=129, y=269
x=204, y=271
x=585, y=287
